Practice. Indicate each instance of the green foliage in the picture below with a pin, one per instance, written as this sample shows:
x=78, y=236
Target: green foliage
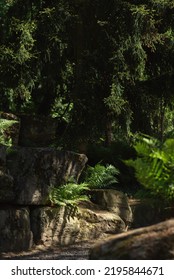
x=72, y=193
x=4, y=126
x=4, y=6
x=118, y=150
x=69, y=194
x=154, y=166
x=115, y=154
x=33, y=66
x=62, y=57
x=101, y=176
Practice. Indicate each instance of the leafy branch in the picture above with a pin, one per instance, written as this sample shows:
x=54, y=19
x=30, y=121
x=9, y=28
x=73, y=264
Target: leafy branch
x=154, y=166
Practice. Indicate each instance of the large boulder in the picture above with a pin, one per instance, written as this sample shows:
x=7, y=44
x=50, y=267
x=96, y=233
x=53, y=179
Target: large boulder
x=6, y=181
x=149, y=243
x=40, y=131
x=2, y=157
x=64, y=225
x=6, y=188
x=36, y=169
x=149, y=211
x=113, y=201
x=15, y=233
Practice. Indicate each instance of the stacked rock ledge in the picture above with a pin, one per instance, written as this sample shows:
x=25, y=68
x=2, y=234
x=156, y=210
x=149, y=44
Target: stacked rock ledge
x=27, y=218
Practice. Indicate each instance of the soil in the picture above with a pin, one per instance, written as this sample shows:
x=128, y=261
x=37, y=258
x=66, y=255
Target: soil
x=78, y=251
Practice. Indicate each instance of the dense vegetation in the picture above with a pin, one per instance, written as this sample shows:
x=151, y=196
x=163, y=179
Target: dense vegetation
x=154, y=166
x=5, y=125
x=72, y=193
x=104, y=68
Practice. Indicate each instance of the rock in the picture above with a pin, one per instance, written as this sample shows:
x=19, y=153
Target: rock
x=113, y=201
x=6, y=188
x=40, y=131
x=35, y=169
x=155, y=242
x=15, y=233
x=2, y=158
x=147, y=212
x=6, y=181
x=62, y=225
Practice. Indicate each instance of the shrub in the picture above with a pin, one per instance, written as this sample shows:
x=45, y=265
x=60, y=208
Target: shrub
x=68, y=194
x=112, y=154
x=4, y=126
x=154, y=166
x=100, y=176
x=72, y=193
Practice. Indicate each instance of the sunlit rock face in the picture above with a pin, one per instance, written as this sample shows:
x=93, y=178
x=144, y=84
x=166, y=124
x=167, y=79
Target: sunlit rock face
x=109, y=213
x=155, y=242
x=113, y=201
x=63, y=225
x=26, y=175
x=36, y=169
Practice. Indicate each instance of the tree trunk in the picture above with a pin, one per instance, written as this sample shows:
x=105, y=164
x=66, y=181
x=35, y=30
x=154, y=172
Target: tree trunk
x=108, y=132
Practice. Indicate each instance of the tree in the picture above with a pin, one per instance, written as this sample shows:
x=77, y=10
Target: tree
x=34, y=64
x=106, y=67
x=152, y=96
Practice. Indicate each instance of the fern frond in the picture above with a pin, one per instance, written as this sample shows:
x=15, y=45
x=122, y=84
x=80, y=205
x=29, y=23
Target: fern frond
x=101, y=176
x=154, y=166
x=5, y=125
x=68, y=194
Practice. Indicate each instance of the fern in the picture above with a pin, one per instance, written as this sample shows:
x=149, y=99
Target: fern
x=68, y=194
x=154, y=166
x=71, y=194
x=4, y=126
x=100, y=176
